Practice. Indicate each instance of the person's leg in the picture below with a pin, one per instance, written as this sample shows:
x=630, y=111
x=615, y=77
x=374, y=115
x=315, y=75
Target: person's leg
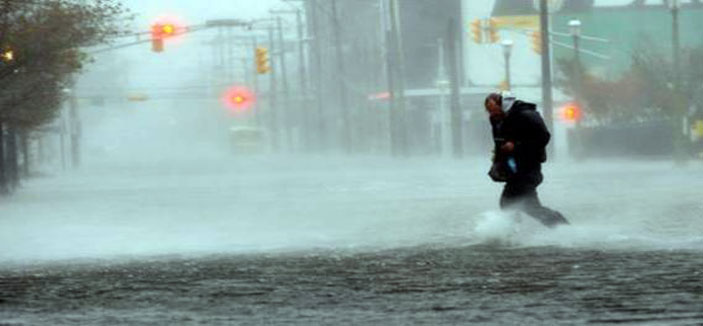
x=512, y=192
x=533, y=207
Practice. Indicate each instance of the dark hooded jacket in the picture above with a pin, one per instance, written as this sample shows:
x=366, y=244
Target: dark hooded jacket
x=524, y=126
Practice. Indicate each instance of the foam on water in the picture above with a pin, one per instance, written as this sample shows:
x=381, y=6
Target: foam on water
x=518, y=229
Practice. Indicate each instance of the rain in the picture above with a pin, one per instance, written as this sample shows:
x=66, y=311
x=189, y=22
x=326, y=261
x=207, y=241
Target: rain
x=282, y=162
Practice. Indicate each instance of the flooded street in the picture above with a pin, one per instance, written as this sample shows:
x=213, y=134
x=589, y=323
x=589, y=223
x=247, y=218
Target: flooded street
x=480, y=284
x=369, y=241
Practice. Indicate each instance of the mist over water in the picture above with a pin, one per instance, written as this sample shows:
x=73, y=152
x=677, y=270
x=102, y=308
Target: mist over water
x=151, y=186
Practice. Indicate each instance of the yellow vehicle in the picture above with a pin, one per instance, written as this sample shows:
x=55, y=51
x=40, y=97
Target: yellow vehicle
x=247, y=140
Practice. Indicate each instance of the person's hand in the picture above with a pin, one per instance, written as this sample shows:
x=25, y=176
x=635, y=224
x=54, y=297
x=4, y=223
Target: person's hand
x=508, y=147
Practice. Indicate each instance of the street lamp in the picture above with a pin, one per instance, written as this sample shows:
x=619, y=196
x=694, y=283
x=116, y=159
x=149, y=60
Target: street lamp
x=575, y=30
x=507, y=50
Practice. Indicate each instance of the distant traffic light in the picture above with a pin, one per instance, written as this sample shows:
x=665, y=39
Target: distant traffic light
x=493, y=34
x=571, y=113
x=477, y=31
x=262, y=60
x=536, y=40
x=239, y=98
x=161, y=31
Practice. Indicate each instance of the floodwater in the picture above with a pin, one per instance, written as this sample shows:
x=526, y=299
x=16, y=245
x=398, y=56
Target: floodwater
x=280, y=240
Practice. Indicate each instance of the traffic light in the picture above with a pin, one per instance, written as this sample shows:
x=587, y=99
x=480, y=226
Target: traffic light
x=493, y=34
x=477, y=31
x=536, y=40
x=262, y=60
x=239, y=98
x=163, y=30
x=571, y=113
x=159, y=32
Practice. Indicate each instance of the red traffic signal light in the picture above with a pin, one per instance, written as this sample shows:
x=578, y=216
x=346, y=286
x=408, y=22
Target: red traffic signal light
x=166, y=27
x=571, y=113
x=239, y=98
x=164, y=30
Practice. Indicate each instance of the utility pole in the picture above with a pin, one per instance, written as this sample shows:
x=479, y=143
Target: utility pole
x=302, y=71
x=676, y=40
x=302, y=97
x=255, y=83
x=3, y=174
x=314, y=25
x=547, y=96
x=273, y=104
x=341, y=77
x=575, y=29
x=456, y=112
x=289, y=117
x=397, y=81
x=75, y=130
x=680, y=120
x=445, y=125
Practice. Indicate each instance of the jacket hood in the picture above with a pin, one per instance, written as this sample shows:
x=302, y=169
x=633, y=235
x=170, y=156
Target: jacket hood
x=517, y=106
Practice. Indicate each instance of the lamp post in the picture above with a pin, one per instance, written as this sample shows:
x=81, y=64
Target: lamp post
x=675, y=6
x=575, y=30
x=507, y=51
x=679, y=107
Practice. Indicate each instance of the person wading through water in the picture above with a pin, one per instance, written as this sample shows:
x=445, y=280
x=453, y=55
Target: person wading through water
x=521, y=138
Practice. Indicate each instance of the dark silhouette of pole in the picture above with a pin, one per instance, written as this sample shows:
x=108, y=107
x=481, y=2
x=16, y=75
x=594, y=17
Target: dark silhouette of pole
x=314, y=25
x=547, y=96
x=12, y=165
x=75, y=130
x=398, y=81
x=288, y=114
x=679, y=107
x=676, y=41
x=24, y=144
x=455, y=96
x=303, y=93
x=255, y=82
x=273, y=97
x=3, y=165
x=575, y=29
x=341, y=75
x=393, y=106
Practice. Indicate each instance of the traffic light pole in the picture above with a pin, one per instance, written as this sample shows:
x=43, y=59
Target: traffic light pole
x=286, y=91
x=255, y=82
x=273, y=105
